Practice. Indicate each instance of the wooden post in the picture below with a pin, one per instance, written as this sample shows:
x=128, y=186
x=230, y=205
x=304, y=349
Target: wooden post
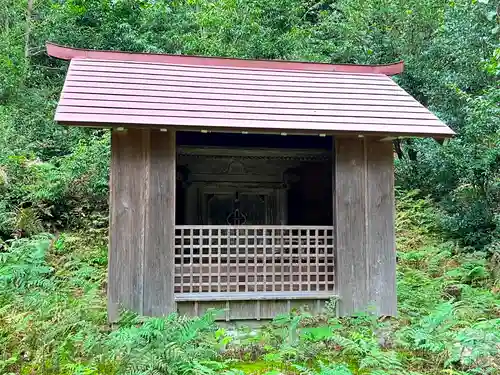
x=160, y=226
x=128, y=182
x=282, y=206
x=364, y=226
x=142, y=222
x=191, y=204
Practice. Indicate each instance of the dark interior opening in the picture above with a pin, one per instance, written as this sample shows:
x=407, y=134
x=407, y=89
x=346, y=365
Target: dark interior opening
x=249, y=183
x=253, y=140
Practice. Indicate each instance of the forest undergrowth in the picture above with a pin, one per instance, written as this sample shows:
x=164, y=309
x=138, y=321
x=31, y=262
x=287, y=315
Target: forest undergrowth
x=53, y=317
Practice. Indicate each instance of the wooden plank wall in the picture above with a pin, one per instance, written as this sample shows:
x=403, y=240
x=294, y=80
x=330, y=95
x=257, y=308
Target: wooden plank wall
x=142, y=222
x=252, y=310
x=364, y=226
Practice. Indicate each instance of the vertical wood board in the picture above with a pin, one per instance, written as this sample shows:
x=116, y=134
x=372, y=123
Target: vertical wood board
x=350, y=193
x=364, y=222
x=159, y=244
x=381, y=252
x=142, y=219
x=126, y=248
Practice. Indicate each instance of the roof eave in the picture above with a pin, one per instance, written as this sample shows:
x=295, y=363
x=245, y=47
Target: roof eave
x=68, y=53
x=382, y=135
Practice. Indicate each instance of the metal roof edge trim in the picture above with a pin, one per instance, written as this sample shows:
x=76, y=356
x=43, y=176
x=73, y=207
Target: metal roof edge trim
x=68, y=53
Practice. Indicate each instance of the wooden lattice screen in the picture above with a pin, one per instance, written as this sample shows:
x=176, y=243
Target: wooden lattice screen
x=253, y=259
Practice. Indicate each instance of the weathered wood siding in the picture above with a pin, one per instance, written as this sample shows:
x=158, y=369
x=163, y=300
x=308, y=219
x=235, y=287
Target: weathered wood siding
x=364, y=226
x=249, y=306
x=142, y=219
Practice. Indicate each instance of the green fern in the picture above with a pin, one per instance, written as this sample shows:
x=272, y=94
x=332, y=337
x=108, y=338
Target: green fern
x=168, y=345
x=23, y=265
x=386, y=363
x=477, y=346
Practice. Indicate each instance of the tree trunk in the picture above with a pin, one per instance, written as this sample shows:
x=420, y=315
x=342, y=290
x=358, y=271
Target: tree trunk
x=397, y=147
x=28, y=29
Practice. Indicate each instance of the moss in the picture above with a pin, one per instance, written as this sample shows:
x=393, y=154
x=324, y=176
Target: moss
x=262, y=367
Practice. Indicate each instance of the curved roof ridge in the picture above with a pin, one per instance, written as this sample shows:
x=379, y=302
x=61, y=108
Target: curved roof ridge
x=69, y=53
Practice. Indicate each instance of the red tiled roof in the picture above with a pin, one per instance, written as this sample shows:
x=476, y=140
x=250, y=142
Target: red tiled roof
x=106, y=88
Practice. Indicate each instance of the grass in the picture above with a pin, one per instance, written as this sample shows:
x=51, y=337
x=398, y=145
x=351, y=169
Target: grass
x=53, y=318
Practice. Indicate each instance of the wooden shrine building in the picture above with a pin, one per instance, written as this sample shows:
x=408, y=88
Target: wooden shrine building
x=253, y=186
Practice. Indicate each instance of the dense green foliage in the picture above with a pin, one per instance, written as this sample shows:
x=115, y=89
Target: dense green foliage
x=450, y=47
x=53, y=318
x=54, y=179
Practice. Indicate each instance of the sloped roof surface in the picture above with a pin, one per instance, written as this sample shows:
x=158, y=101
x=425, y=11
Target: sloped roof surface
x=100, y=92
